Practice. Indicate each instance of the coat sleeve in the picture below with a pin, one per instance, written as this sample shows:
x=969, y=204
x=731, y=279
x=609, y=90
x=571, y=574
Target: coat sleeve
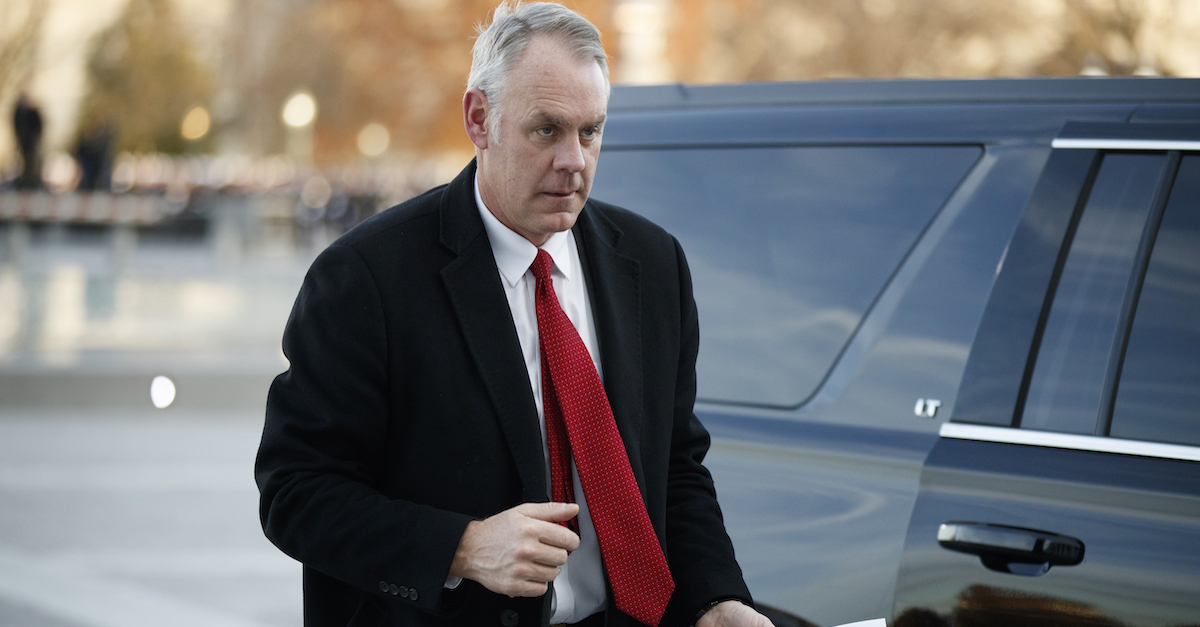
x=319, y=462
x=700, y=551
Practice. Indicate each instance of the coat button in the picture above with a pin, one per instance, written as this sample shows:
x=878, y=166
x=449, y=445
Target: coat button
x=383, y=587
x=509, y=618
x=394, y=589
x=412, y=594
x=404, y=592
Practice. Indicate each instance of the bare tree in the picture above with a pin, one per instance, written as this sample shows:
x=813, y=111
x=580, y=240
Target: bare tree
x=403, y=63
x=20, y=30
x=268, y=53
x=399, y=63
x=1102, y=37
x=143, y=77
x=759, y=40
x=763, y=40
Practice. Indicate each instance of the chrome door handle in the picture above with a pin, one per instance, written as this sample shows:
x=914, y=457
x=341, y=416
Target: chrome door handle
x=1014, y=550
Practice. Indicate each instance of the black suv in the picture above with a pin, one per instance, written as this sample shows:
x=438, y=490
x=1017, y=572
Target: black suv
x=1021, y=257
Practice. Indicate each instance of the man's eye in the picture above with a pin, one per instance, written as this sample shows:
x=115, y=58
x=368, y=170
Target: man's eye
x=545, y=131
x=589, y=132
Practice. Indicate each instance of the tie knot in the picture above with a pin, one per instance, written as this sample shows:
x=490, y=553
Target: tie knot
x=541, y=265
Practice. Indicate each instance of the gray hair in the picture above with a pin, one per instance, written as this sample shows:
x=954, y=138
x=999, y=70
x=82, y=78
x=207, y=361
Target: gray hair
x=500, y=45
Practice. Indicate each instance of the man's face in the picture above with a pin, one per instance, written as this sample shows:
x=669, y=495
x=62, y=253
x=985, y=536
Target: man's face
x=536, y=178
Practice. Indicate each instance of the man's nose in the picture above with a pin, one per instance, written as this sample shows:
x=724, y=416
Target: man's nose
x=569, y=155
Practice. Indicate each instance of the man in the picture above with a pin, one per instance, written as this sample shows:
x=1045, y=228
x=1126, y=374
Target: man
x=27, y=126
x=439, y=354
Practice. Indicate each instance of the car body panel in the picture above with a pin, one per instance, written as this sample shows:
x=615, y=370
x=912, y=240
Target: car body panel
x=1046, y=370
x=818, y=484
x=1138, y=517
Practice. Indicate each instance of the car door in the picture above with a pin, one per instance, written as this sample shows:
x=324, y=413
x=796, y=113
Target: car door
x=790, y=247
x=1065, y=490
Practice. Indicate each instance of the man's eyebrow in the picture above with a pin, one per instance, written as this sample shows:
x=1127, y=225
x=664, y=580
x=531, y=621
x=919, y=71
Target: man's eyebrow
x=554, y=120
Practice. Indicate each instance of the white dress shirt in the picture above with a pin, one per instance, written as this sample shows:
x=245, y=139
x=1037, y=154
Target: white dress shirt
x=579, y=590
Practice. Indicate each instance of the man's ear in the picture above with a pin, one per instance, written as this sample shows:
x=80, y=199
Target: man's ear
x=475, y=117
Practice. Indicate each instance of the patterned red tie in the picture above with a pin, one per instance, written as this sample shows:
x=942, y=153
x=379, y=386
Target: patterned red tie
x=575, y=403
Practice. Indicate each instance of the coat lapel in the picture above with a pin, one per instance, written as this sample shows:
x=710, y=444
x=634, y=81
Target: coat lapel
x=614, y=287
x=477, y=297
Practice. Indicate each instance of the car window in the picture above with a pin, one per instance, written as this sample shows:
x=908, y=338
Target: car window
x=788, y=247
x=1067, y=388
x=1158, y=397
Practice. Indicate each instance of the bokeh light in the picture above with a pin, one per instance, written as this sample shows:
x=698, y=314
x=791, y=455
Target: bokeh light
x=316, y=192
x=196, y=124
x=300, y=110
x=162, y=392
x=373, y=139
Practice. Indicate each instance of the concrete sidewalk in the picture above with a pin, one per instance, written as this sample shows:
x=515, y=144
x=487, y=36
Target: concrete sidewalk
x=136, y=520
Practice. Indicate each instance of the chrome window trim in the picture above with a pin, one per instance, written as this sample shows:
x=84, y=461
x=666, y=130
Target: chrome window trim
x=1124, y=144
x=1008, y=435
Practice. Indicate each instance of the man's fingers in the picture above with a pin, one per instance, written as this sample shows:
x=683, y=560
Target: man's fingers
x=553, y=534
x=539, y=573
x=517, y=551
x=550, y=556
x=549, y=512
x=560, y=537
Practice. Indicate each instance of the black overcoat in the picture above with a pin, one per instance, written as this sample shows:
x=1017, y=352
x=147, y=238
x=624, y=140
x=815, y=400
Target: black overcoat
x=406, y=412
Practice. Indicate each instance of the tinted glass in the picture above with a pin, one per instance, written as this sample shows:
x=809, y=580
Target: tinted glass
x=788, y=247
x=1068, y=378
x=1159, y=394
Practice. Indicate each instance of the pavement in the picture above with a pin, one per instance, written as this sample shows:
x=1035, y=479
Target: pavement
x=136, y=519
x=114, y=513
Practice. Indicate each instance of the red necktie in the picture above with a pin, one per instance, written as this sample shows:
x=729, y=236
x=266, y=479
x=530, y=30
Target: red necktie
x=575, y=403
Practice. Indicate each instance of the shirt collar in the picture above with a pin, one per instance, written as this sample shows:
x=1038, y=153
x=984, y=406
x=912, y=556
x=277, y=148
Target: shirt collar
x=514, y=254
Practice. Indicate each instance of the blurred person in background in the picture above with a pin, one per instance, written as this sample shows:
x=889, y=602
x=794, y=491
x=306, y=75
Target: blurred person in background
x=93, y=151
x=487, y=418
x=27, y=126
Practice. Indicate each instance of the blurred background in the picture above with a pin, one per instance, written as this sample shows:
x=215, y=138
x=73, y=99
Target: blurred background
x=169, y=169
x=368, y=90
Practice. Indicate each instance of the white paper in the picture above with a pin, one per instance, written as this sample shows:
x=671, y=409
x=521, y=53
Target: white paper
x=874, y=622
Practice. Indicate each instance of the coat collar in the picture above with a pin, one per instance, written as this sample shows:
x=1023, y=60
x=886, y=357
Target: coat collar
x=460, y=223
x=477, y=297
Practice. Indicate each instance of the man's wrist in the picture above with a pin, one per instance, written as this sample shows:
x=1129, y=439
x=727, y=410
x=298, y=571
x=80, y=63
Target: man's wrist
x=704, y=610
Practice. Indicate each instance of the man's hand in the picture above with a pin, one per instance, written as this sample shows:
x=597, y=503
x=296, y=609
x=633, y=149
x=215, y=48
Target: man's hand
x=733, y=614
x=518, y=551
